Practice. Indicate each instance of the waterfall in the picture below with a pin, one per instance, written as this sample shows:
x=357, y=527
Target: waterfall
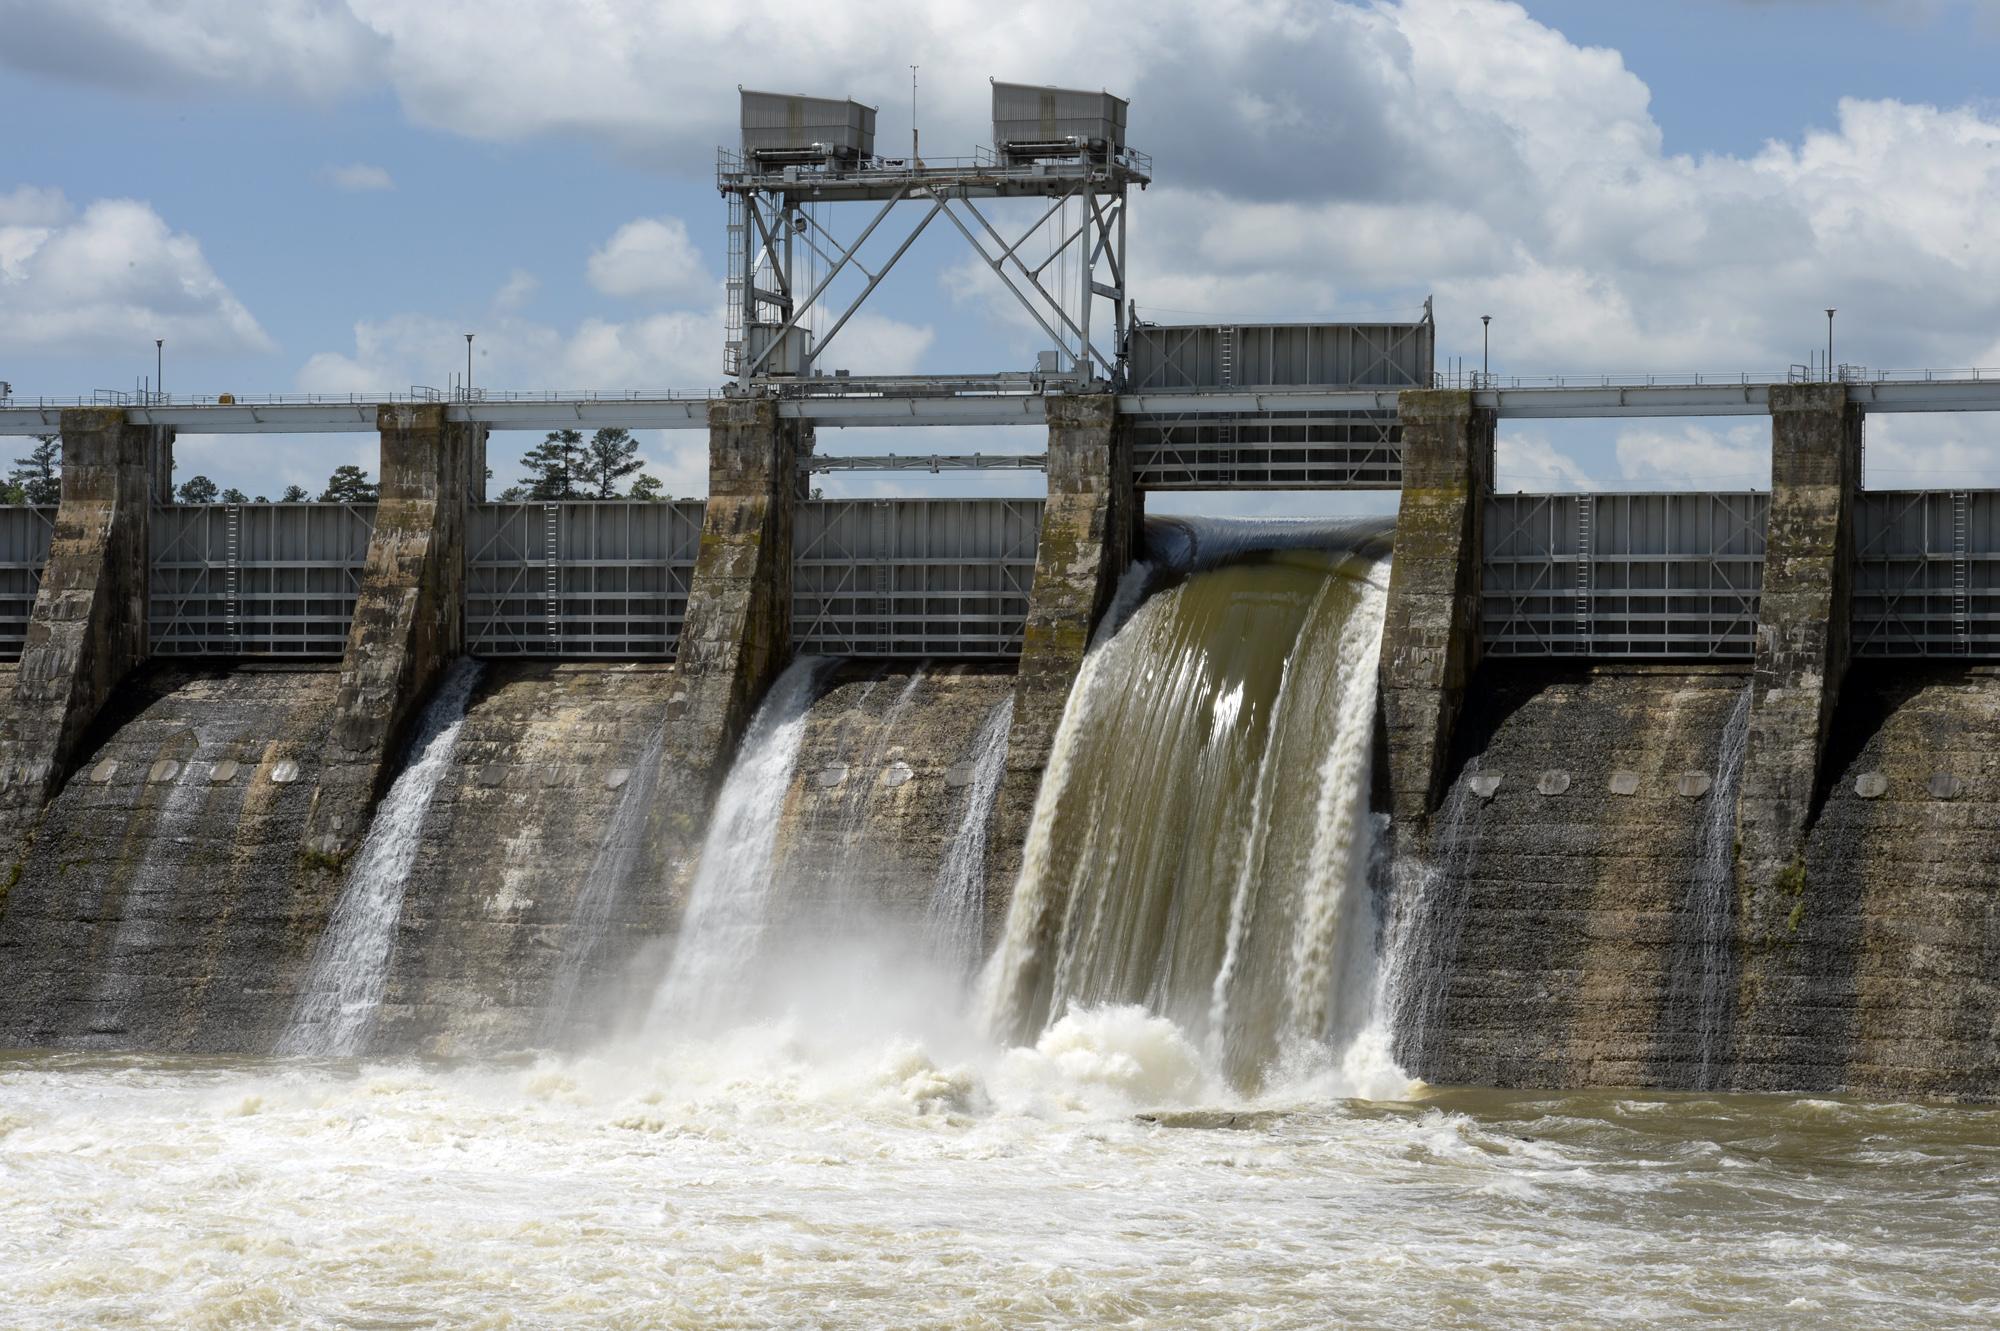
x=853, y=830
x=1200, y=843
x=618, y=858
x=726, y=908
x=342, y=991
x=956, y=922
x=1430, y=898
x=1708, y=934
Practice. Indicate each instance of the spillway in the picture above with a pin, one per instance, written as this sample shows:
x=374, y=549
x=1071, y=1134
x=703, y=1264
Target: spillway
x=1201, y=843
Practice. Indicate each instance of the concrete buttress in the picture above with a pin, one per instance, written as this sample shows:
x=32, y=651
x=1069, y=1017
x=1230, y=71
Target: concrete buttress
x=1089, y=528
x=1431, y=636
x=1803, y=629
x=88, y=628
x=737, y=633
x=409, y=618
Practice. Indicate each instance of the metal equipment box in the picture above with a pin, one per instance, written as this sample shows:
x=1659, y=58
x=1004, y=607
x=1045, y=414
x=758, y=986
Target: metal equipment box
x=790, y=356
x=1190, y=358
x=1031, y=122
x=780, y=128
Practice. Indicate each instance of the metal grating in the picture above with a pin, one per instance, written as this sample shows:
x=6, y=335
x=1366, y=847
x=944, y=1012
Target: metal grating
x=1322, y=450
x=256, y=579
x=583, y=578
x=1631, y=575
x=913, y=577
x=1927, y=573
x=24, y=548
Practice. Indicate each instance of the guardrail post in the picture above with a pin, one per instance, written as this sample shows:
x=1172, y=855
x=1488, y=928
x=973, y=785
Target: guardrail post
x=88, y=627
x=737, y=633
x=1431, y=640
x=1089, y=530
x=409, y=617
x=1804, y=632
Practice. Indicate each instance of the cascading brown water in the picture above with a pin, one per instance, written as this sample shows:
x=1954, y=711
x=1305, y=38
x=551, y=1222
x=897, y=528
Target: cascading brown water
x=1200, y=842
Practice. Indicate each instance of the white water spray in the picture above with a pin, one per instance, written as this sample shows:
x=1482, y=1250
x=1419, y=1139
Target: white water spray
x=618, y=859
x=1711, y=901
x=956, y=920
x=342, y=992
x=728, y=905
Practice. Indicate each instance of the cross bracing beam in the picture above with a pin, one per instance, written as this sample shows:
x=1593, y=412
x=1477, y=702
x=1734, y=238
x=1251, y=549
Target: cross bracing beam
x=931, y=462
x=833, y=403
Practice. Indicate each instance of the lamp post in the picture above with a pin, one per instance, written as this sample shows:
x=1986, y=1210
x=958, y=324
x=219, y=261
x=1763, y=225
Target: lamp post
x=159, y=369
x=1829, y=346
x=1485, y=347
x=468, y=367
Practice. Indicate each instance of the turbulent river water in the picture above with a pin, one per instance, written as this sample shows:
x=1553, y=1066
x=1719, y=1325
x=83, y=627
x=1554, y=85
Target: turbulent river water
x=783, y=1177
x=1171, y=1101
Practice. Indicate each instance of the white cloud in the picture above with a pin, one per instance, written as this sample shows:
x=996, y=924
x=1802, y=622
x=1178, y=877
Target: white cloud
x=652, y=259
x=1527, y=460
x=660, y=351
x=519, y=290
x=314, y=49
x=359, y=179
x=1697, y=457
x=110, y=280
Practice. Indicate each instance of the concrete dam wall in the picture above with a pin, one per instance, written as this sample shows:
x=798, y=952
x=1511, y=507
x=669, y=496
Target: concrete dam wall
x=1666, y=815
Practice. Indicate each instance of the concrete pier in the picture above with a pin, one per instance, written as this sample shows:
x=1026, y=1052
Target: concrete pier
x=1089, y=529
x=1803, y=632
x=409, y=619
x=88, y=627
x=1431, y=633
x=737, y=634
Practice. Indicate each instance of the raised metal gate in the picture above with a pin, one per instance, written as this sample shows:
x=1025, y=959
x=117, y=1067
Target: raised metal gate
x=1927, y=573
x=913, y=577
x=1322, y=450
x=24, y=549
x=1624, y=575
x=579, y=578
x=256, y=579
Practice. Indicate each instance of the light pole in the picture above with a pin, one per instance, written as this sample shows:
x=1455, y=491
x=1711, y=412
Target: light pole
x=468, y=367
x=1829, y=346
x=159, y=367
x=1485, y=347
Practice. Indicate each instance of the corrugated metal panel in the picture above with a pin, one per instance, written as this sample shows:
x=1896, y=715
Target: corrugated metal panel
x=1169, y=358
x=1271, y=451
x=582, y=578
x=1024, y=114
x=913, y=577
x=24, y=549
x=1927, y=573
x=1624, y=575
x=256, y=579
x=776, y=122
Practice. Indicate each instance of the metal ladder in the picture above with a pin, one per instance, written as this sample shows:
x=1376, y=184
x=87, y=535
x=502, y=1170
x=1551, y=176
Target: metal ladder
x=1584, y=515
x=232, y=620
x=884, y=574
x=1227, y=338
x=739, y=276
x=552, y=576
x=1961, y=619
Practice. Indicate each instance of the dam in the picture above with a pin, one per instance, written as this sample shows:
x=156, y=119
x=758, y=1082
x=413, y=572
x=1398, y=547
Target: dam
x=1676, y=790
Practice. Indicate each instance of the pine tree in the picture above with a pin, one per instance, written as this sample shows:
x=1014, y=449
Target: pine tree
x=648, y=487
x=234, y=496
x=609, y=459
x=198, y=490
x=294, y=494
x=554, y=465
x=38, y=476
x=350, y=485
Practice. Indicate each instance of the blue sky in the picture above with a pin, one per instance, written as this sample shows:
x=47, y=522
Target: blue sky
x=312, y=195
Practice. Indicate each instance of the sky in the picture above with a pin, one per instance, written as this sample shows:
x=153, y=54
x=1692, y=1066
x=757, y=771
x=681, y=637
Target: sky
x=326, y=195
